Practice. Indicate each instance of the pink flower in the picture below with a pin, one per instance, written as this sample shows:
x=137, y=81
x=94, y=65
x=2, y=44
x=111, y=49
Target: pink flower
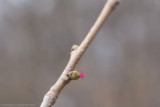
x=82, y=74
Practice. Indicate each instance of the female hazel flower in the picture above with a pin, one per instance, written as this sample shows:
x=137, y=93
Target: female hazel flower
x=82, y=74
x=74, y=75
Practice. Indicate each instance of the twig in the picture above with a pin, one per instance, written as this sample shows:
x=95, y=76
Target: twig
x=52, y=94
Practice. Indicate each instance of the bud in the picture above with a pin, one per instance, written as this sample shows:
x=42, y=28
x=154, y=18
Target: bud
x=74, y=47
x=74, y=75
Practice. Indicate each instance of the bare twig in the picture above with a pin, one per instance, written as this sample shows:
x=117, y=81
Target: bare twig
x=52, y=94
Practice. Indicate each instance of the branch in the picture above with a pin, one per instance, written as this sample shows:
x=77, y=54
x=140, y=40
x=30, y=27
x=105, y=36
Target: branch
x=52, y=94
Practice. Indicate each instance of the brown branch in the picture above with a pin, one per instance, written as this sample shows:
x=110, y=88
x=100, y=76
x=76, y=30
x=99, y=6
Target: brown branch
x=52, y=94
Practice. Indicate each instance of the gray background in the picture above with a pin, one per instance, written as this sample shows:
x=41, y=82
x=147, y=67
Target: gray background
x=122, y=63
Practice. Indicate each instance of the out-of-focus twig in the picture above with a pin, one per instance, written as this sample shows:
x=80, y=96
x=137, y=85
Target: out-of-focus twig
x=51, y=96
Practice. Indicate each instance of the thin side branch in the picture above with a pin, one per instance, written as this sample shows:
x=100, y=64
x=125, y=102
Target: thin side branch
x=52, y=95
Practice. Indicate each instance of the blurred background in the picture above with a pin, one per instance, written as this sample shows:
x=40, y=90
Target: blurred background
x=122, y=63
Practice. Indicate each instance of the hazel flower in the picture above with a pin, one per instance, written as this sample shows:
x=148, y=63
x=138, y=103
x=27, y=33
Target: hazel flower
x=74, y=75
x=82, y=74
